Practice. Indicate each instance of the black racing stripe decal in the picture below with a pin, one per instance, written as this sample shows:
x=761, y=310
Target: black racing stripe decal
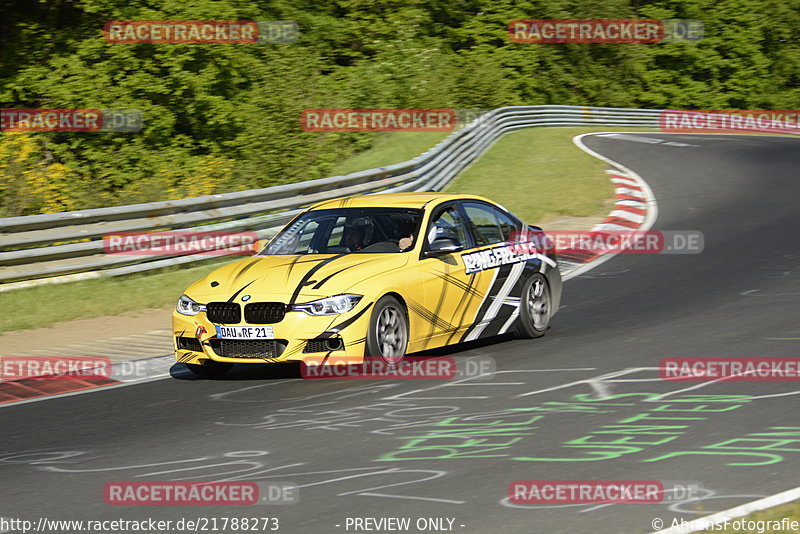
x=242, y=289
x=319, y=284
x=304, y=281
x=466, y=287
x=292, y=352
x=357, y=342
x=295, y=261
x=291, y=267
x=437, y=313
x=493, y=328
x=502, y=274
x=470, y=293
x=344, y=324
x=244, y=270
x=430, y=317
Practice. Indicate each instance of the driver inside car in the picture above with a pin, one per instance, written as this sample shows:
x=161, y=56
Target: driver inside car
x=354, y=238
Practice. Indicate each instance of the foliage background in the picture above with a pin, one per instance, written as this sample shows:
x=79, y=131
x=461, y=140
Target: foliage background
x=226, y=117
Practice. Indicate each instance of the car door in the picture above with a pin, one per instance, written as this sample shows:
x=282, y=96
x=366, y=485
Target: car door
x=448, y=292
x=491, y=229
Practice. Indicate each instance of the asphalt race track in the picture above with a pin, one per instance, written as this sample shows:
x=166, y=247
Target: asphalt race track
x=557, y=409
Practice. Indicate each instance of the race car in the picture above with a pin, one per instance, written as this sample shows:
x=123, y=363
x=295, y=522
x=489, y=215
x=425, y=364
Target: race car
x=380, y=275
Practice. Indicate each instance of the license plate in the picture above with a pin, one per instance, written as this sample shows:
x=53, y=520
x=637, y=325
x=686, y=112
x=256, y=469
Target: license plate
x=245, y=332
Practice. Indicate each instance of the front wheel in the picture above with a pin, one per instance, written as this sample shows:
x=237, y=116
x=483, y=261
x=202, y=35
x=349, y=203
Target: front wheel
x=535, y=307
x=210, y=368
x=388, y=330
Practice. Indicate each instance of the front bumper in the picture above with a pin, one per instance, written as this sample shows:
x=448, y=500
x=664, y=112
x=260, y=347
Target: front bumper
x=194, y=339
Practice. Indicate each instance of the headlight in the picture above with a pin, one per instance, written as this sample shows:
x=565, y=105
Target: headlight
x=187, y=306
x=329, y=305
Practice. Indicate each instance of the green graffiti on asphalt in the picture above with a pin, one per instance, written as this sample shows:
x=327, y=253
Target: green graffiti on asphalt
x=455, y=438
x=785, y=439
x=663, y=422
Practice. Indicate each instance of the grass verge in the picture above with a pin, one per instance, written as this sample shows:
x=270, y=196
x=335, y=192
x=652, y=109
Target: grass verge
x=45, y=305
x=535, y=173
x=388, y=149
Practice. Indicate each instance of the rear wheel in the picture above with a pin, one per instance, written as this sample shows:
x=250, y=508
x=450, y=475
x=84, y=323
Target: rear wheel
x=388, y=330
x=209, y=368
x=534, y=307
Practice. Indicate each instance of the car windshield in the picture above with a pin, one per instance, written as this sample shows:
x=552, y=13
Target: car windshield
x=347, y=231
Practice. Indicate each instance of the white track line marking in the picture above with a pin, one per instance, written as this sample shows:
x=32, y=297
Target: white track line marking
x=642, y=139
x=637, y=139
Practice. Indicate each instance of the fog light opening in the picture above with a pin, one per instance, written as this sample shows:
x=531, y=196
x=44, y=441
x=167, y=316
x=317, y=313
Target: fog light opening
x=334, y=343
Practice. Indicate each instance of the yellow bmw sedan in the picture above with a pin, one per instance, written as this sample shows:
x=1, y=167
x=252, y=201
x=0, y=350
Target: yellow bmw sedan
x=379, y=275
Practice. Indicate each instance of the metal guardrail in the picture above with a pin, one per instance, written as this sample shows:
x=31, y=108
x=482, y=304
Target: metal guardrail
x=62, y=247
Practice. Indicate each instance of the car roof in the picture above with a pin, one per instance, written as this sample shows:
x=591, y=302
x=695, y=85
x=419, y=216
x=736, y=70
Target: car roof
x=394, y=200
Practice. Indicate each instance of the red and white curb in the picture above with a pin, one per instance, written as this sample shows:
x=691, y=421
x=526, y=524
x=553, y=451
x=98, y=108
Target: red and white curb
x=123, y=373
x=31, y=388
x=631, y=204
x=635, y=210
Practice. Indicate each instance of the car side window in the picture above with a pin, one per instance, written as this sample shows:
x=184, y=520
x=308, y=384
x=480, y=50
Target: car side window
x=337, y=231
x=304, y=244
x=447, y=223
x=297, y=241
x=484, y=223
x=508, y=226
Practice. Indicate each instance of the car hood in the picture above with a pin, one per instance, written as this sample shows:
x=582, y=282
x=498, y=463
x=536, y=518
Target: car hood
x=292, y=278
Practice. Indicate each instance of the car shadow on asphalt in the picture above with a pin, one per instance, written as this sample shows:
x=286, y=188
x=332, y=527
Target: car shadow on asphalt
x=287, y=370
x=243, y=371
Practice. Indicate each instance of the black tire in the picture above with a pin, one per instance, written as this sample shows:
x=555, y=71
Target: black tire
x=210, y=368
x=384, y=340
x=535, y=307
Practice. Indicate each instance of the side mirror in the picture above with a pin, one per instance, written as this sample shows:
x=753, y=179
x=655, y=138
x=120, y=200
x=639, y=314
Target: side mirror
x=443, y=245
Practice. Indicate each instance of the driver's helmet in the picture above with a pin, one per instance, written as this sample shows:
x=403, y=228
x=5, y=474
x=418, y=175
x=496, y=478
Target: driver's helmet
x=357, y=232
x=442, y=228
